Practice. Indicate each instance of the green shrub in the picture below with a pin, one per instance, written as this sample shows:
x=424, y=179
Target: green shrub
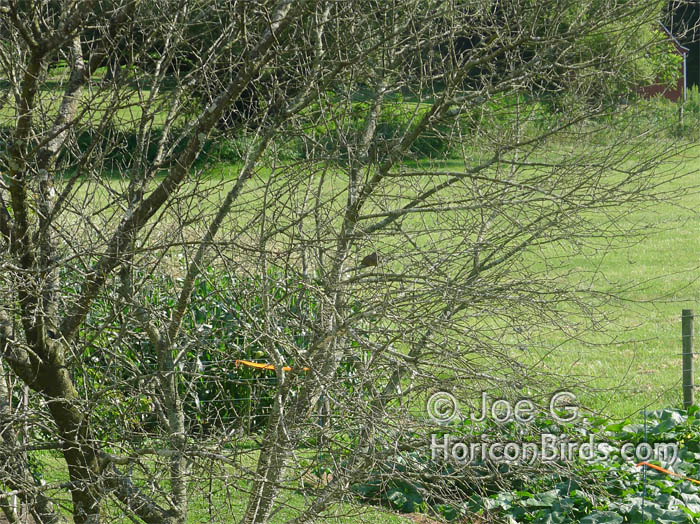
x=336, y=137
x=607, y=489
x=663, y=114
x=223, y=323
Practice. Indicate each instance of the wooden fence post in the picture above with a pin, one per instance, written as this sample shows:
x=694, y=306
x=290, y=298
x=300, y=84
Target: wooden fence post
x=688, y=383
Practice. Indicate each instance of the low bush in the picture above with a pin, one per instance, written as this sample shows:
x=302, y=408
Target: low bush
x=224, y=323
x=609, y=489
x=336, y=137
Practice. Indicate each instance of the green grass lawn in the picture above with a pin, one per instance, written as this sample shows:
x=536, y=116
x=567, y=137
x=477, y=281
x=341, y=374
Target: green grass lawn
x=634, y=361
x=222, y=500
x=633, y=364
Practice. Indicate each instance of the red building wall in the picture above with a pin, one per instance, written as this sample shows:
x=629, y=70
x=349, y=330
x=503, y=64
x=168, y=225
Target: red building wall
x=672, y=93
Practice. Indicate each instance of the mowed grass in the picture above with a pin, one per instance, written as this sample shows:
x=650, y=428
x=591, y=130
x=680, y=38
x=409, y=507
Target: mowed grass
x=634, y=361
x=123, y=111
x=630, y=362
x=221, y=499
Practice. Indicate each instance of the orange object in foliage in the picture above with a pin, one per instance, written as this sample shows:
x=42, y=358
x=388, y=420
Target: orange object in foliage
x=662, y=470
x=259, y=365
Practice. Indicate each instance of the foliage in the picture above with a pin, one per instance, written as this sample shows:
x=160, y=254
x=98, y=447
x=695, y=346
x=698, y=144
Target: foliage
x=610, y=489
x=337, y=138
x=653, y=58
x=223, y=316
x=663, y=115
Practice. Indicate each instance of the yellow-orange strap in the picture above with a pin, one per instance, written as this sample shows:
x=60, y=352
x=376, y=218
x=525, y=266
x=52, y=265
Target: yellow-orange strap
x=260, y=365
x=662, y=470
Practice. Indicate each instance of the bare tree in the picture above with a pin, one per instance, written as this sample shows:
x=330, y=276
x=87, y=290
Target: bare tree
x=366, y=276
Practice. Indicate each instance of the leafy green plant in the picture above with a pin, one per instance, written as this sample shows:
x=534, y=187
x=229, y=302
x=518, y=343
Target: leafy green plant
x=397, y=117
x=608, y=490
x=221, y=326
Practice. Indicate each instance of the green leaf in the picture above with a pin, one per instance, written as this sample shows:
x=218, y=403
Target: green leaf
x=397, y=499
x=602, y=517
x=542, y=500
x=501, y=500
x=552, y=517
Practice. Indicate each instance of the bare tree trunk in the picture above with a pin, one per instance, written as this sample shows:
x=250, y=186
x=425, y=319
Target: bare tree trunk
x=15, y=471
x=176, y=429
